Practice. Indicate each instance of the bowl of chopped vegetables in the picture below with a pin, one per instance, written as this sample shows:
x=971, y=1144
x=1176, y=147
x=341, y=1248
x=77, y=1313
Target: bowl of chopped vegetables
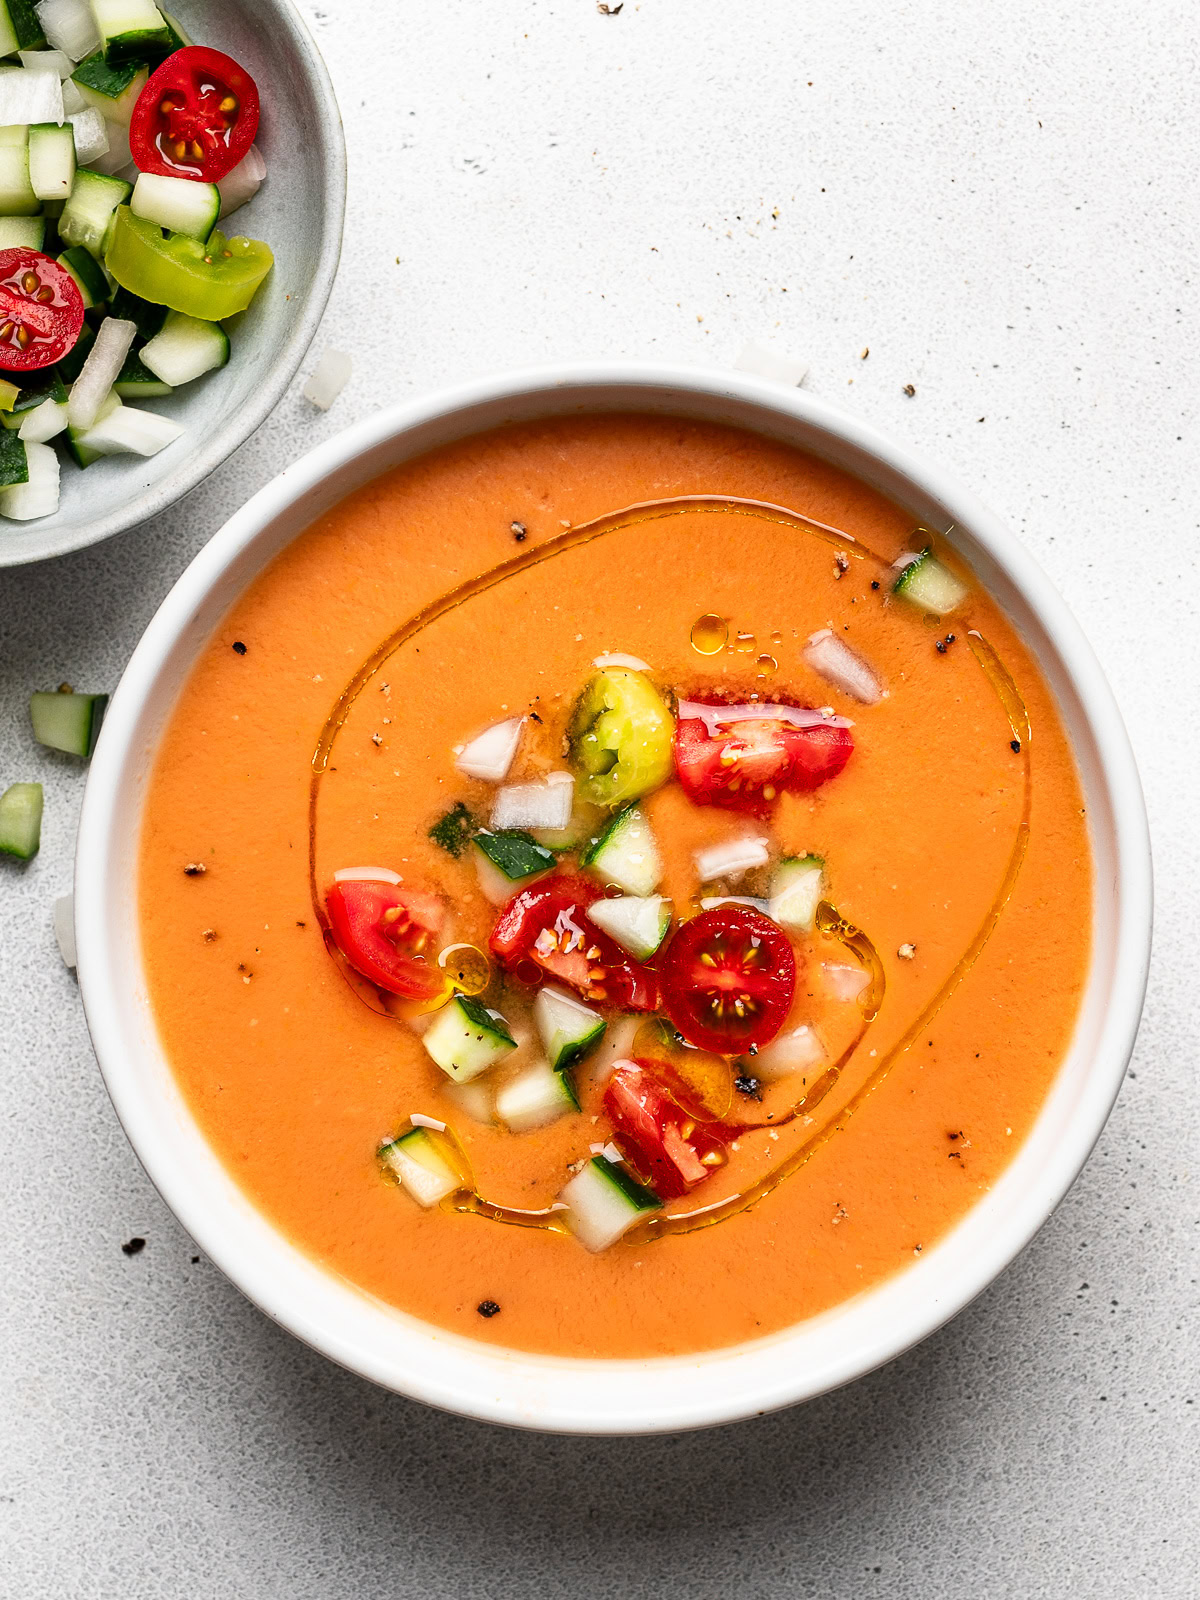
x=159, y=281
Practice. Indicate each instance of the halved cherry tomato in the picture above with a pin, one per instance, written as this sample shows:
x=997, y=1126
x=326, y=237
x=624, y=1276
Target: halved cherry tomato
x=196, y=117
x=41, y=311
x=384, y=931
x=745, y=756
x=667, y=1148
x=728, y=979
x=548, y=924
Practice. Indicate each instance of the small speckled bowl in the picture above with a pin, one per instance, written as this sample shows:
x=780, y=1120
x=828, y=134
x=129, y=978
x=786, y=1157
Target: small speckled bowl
x=298, y=211
x=511, y=1386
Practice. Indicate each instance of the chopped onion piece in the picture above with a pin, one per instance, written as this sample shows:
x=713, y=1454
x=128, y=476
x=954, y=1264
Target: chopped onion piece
x=47, y=61
x=126, y=430
x=617, y=658
x=243, y=183
x=72, y=99
x=29, y=97
x=64, y=928
x=91, y=135
x=795, y=1051
x=44, y=422
x=38, y=497
x=104, y=361
x=367, y=875
x=715, y=718
x=117, y=157
x=845, y=982
x=771, y=364
x=731, y=858
x=420, y=1120
x=477, y=1098
x=69, y=26
x=712, y=901
x=834, y=660
x=905, y=559
x=535, y=805
x=329, y=377
x=490, y=754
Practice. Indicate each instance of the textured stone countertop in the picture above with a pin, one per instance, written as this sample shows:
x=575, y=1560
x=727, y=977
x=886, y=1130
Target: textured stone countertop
x=1000, y=204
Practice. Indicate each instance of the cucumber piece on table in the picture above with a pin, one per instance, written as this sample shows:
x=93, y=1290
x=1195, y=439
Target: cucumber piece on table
x=17, y=198
x=88, y=274
x=67, y=721
x=795, y=892
x=180, y=205
x=22, y=233
x=21, y=820
x=14, y=464
x=137, y=382
x=112, y=90
x=71, y=365
x=90, y=209
x=603, y=1202
x=51, y=160
x=535, y=1097
x=568, y=1029
x=185, y=348
x=626, y=854
x=132, y=31
x=638, y=924
x=930, y=585
x=467, y=1038
x=421, y=1159
x=19, y=27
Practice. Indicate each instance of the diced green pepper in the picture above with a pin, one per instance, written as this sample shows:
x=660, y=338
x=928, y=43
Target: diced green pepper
x=620, y=737
x=211, y=281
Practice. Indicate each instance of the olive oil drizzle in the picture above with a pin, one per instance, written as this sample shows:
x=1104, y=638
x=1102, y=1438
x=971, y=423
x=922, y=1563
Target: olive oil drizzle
x=467, y=1199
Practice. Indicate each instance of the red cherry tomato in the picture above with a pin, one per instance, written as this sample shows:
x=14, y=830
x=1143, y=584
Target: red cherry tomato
x=666, y=1147
x=547, y=924
x=41, y=311
x=728, y=979
x=385, y=931
x=744, y=757
x=196, y=117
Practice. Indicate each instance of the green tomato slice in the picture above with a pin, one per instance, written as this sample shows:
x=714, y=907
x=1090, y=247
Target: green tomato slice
x=620, y=737
x=212, y=281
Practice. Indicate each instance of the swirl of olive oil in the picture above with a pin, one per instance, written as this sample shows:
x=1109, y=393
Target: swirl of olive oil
x=467, y=1199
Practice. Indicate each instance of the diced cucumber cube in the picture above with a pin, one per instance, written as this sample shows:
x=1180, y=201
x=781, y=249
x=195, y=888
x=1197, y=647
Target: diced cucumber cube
x=626, y=853
x=178, y=204
x=71, y=365
x=38, y=495
x=185, y=348
x=20, y=27
x=90, y=209
x=14, y=462
x=131, y=30
x=930, y=585
x=467, y=1038
x=137, y=382
x=423, y=1161
x=17, y=198
x=112, y=90
x=51, y=160
x=603, y=1202
x=796, y=892
x=637, y=924
x=535, y=1097
x=67, y=721
x=22, y=233
x=88, y=274
x=568, y=1029
x=21, y=820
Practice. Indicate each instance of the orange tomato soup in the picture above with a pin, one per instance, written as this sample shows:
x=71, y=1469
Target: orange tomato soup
x=963, y=859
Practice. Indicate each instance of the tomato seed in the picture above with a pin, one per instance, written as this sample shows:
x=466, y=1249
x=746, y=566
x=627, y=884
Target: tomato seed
x=29, y=282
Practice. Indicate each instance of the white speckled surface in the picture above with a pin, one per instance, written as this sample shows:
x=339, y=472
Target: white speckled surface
x=1000, y=204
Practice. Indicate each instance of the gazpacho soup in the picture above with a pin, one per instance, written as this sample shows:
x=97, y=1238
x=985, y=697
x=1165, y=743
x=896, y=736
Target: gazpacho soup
x=615, y=886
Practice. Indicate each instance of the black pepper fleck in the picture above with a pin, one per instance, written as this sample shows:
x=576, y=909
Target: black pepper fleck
x=1015, y=746
x=748, y=1085
x=133, y=1247
x=194, y=869
x=874, y=583
x=487, y=1308
x=519, y=531
x=533, y=717
x=239, y=648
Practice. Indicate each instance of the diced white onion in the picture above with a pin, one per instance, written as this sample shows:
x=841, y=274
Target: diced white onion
x=104, y=361
x=905, y=559
x=535, y=805
x=715, y=718
x=420, y=1120
x=731, y=857
x=243, y=183
x=771, y=364
x=367, y=875
x=477, y=1098
x=712, y=901
x=834, y=660
x=91, y=135
x=126, y=430
x=329, y=377
x=490, y=754
x=616, y=1045
x=23, y=502
x=72, y=99
x=29, y=97
x=795, y=1051
x=64, y=928
x=617, y=658
x=843, y=981
x=44, y=422
x=117, y=158
x=69, y=26
x=47, y=61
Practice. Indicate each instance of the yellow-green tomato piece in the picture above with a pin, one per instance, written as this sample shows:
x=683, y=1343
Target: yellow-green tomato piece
x=211, y=280
x=620, y=736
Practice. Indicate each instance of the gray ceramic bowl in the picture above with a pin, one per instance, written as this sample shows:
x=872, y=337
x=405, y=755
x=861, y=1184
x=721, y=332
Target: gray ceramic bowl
x=299, y=212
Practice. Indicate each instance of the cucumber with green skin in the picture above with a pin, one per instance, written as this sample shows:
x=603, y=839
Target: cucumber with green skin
x=929, y=584
x=135, y=381
x=21, y=820
x=14, y=465
x=516, y=854
x=626, y=853
x=603, y=1201
x=67, y=721
x=87, y=273
x=535, y=1097
x=568, y=1029
x=466, y=1038
x=20, y=28
x=422, y=1163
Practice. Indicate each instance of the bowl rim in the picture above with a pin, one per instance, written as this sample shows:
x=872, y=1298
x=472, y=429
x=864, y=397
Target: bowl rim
x=243, y=422
x=574, y=1395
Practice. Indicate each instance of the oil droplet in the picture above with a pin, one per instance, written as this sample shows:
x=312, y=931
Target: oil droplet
x=766, y=665
x=776, y=636
x=743, y=644
x=709, y=634
x=469, y=971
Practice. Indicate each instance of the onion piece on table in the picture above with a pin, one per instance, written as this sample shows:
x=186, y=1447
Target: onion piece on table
x=329, y=377
x=64, y=928
x=490, y=754
x=535, y=805
x=834, y=660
